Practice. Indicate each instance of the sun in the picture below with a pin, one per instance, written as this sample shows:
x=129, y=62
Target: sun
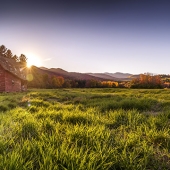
x=33, y=60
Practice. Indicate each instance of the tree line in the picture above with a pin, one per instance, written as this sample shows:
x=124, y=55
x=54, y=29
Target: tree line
x=53, y=81
x=8, y=54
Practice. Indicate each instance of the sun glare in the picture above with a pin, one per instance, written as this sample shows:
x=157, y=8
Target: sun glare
x=33, y=60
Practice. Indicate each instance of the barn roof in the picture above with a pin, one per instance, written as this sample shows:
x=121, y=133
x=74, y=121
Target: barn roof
x=13, y=67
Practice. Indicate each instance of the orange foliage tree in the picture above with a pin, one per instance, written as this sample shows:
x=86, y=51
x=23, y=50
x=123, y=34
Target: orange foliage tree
x=109, y=84
x=147, y=81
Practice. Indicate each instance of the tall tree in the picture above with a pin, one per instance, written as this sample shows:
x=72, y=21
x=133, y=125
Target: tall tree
x=23, y=59
x=15, y=57
x=57, y=82
x=3, y=49
x=8, y=54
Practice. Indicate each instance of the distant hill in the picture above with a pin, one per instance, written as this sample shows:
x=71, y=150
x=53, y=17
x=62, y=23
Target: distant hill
x=119, y=75
x=103, y=75
x=56, y=70
x=134, y=76
x=60, y=72
x=43, y=68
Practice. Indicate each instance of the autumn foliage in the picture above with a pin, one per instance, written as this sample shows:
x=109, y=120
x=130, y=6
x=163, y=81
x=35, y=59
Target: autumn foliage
x=53, y=81
x=146, y=81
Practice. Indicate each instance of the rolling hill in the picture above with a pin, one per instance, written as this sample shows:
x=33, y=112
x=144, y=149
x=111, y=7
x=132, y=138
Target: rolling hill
x=60, y=72
x=118, y=76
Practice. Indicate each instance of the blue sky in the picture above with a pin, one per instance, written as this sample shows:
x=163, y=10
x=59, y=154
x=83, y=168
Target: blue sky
x=90, y=36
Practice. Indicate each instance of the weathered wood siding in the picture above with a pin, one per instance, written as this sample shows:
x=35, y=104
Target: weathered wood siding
x=24, y=85
x=2, y=79
x=12, y=83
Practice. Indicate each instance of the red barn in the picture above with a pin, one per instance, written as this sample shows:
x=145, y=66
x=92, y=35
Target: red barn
x=12, y=75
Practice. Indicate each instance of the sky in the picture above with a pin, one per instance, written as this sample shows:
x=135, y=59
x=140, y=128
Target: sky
x=130, y=36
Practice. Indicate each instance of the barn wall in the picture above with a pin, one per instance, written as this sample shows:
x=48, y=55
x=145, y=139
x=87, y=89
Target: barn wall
x=2, y=79
x=12, y=83
x=24, y=85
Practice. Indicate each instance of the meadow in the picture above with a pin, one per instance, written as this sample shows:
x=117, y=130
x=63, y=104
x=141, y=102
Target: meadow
x=85, y=129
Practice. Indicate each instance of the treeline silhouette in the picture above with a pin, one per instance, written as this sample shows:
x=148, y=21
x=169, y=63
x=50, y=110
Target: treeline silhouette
x=52, y=81
x=8, y=54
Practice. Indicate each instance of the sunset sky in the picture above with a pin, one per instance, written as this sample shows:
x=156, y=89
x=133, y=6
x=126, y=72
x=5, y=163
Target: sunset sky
x=130, y=36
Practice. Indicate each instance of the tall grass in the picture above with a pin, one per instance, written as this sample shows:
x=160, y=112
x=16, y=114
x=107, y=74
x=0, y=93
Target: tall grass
x=85, y=129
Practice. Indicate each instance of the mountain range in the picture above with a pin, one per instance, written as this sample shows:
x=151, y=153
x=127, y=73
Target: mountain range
x=118, y=76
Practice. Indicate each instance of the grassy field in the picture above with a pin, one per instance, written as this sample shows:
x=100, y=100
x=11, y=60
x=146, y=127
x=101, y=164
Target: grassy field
x=85, y=129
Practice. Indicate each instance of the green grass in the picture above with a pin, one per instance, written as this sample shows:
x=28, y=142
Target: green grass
x=80, y=129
